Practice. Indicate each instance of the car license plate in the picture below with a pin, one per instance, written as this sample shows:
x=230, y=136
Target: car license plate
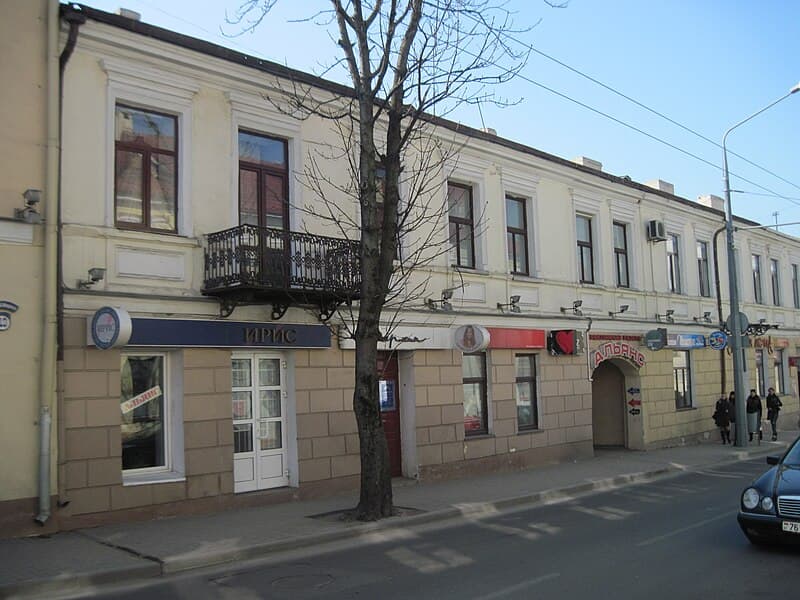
x=791, y=526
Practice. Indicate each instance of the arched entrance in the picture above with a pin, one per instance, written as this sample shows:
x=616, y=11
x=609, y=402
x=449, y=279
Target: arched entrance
x=608, y=405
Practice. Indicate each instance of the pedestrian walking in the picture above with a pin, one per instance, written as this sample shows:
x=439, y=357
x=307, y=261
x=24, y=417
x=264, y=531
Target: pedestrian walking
x=722, y=418
x=754, y=411
x=732, y=403
x=774, y=405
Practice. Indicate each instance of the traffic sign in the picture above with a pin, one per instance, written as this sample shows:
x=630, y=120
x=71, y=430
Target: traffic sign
x=744, y=323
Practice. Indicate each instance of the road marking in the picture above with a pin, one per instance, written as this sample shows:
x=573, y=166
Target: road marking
x=660, y=538
x=723, y=475
x=519, y=587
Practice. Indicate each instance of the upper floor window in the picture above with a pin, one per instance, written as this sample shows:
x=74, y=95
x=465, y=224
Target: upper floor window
x=583, y=229
x=263, y=181
x=517, y=235
x=145, y=169
x=795, y=287
x=702, y=269
x=674, y=264
x=462, y=224
x=774, y=276
x=758, y=295
x=621, y=255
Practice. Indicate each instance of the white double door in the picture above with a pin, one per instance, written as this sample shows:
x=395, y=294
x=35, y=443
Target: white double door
x=259, y=422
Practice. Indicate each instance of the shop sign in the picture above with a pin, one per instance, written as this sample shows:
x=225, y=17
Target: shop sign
x=565, y=341
x=655, y=339
x=110, y=327
x=717, y=340
x=769, y=343
x=472, y=338
x=686, y=341
x=502, y=337
x=113, y=327
x=143, y=398
x=6, y=309
x=617, y=350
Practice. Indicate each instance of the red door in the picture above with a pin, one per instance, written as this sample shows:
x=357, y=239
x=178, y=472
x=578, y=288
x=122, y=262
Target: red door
x=390, y=408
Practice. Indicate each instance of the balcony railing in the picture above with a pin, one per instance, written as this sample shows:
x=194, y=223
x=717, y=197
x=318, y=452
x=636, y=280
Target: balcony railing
x=249, y=264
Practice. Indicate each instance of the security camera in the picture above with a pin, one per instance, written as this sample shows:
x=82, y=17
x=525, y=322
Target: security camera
x=97, y=274
x=32, y=197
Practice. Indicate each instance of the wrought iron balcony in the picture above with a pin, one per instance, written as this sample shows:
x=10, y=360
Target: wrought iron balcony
x=252, y=265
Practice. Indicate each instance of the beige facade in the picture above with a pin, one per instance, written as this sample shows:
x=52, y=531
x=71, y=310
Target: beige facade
x=240, y=422
x=24, y=148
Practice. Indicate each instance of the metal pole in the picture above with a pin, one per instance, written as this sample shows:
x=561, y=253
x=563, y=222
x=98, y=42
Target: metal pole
x=736, y=328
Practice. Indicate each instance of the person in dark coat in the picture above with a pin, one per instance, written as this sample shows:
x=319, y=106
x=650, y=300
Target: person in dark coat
x=722, y=418
x=754, y=408
x=774, y=405
x=732, y=403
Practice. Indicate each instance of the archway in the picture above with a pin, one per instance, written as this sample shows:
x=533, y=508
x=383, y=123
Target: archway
x=608, y=405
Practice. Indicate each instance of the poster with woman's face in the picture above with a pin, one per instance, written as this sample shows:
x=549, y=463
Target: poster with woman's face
x=471, y=338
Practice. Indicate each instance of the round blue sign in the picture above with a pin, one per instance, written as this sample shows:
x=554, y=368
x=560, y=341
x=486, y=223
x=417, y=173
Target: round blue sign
x=718, y=340
x=110, y=327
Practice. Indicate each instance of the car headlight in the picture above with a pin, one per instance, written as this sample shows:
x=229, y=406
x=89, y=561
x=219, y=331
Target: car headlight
x=766, y=504
x=750, y=498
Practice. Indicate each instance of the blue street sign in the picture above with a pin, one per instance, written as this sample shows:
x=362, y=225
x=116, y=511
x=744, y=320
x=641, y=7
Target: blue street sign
x=717, y=340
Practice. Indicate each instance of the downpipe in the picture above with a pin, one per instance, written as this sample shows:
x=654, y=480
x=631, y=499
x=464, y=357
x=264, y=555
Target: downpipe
x=45, y=425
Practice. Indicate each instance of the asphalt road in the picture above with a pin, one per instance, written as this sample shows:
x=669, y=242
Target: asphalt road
x=674, y=538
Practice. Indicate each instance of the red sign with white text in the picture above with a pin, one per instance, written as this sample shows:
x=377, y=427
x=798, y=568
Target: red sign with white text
x=500, y=337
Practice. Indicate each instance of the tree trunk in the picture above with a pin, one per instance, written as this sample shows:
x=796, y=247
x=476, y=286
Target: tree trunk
x=375, y=501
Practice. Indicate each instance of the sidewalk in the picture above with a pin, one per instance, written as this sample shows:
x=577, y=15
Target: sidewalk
x=68, y=561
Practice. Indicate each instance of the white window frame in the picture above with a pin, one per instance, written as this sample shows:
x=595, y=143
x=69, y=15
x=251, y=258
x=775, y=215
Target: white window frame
x=676, y=240
x=174, y=468
x=524, y=187
x=587, y=204
x=775, y=281
x=757, y=277
x=709, y=260
x=151, y=89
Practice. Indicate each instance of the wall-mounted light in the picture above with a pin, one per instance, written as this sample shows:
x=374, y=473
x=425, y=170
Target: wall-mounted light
x=622, y=308
x=29, y=214
x=95, y=274
x=513, y=304
x=444, y=303
x=706, y=318
x=667, y=316
x=575, y=308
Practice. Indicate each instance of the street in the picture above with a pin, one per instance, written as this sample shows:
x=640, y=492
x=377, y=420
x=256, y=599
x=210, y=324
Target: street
x=676, y=537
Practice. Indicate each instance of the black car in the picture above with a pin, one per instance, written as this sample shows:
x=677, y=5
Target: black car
x=769, y=509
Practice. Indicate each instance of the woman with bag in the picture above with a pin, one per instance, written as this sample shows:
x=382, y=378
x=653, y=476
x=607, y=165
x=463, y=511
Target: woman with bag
x=722, y=418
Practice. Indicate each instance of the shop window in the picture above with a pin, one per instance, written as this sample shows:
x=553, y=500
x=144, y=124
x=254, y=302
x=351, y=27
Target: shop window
x=476, y=419
x=682, y=379
x=778, y=372
x=525, y=392
x=151, y=417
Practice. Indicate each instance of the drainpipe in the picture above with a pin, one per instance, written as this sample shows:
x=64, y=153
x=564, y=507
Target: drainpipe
x=51, y=331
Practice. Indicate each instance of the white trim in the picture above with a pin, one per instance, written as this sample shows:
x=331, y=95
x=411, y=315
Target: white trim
x=148, y=88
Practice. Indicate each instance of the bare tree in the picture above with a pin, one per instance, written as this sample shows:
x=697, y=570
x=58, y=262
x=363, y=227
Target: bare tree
x=410, y=63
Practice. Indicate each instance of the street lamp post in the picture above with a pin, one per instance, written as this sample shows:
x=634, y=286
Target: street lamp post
x=736, y=326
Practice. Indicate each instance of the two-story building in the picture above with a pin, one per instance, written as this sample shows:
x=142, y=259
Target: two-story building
x=203, y=361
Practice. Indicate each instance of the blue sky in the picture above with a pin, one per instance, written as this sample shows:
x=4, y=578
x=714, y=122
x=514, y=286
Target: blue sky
x=705, y=64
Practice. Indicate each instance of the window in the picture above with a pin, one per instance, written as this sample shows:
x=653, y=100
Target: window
x=674, y=263
x=583, y=228
x=702, y=269
x=795, y=288
x=473, y=369
x=462, y=224
x=145, y=420
x=263, y=181
x=774, y=276
x=682, y=379
x=517, y=235
x=758, y=296
x=778, y=371
x=145, y=169
x=621, y=255
x=525, y=392
x=760, y=383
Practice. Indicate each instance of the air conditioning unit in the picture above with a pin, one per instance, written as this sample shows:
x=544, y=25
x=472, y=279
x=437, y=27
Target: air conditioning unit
x=656, y=231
